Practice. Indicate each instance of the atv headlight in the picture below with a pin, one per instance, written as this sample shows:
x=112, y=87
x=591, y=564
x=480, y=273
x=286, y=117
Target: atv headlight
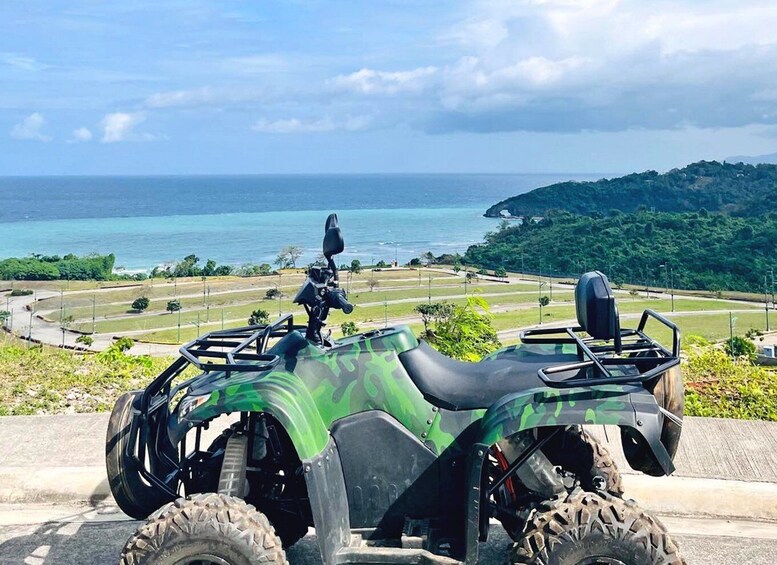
x=190, y=403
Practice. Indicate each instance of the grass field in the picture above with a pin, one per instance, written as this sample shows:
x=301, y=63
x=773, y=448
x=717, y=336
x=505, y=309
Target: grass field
x=228, y=301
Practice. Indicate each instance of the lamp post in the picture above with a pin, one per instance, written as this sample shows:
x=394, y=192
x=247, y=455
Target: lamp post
x=766, y=303
x=669, y=280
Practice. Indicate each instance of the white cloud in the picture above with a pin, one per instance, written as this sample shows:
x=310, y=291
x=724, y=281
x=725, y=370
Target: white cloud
x=81, y=135
x=19, y=61
x=609, y=65
x=370, y=81
x=30, y=128
x=119, y=125
x=296, y=125
x=206, y=96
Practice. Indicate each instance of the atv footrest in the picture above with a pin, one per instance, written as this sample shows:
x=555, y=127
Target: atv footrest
x=370, y=552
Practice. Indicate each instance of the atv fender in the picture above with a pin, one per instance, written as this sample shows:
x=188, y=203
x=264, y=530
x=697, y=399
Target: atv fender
x=280, y=394
x=628, y=406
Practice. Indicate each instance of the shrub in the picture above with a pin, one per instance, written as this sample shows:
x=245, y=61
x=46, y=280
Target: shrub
x=124, y=344
x=740, y=346
x=718, y=386
x=349, y=328
x=21, y=292
x=173, y=305
x=462, y=332
x=272, y=293
x=86, y=340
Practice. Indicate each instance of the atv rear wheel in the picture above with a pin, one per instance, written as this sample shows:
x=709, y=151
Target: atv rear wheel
x=135, y=497
x=205, y=529
x=595, y=529
x=577, y=451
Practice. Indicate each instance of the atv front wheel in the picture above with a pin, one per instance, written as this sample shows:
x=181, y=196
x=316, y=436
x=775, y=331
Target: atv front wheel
x=212, y=529
x=135, y=496
x=595, y=529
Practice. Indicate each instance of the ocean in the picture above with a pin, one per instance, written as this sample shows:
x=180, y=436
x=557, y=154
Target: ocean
x=148, y=221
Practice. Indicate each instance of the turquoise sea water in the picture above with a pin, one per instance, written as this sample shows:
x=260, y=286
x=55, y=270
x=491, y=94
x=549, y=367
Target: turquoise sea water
x=148, y=221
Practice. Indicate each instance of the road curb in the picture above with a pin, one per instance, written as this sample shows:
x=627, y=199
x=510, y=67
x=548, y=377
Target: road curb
x=715, y=498
x=682, y=496
x=53, y=485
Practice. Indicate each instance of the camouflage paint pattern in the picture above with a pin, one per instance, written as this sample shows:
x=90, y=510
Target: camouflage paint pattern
x=312, y=388
x=603, y=404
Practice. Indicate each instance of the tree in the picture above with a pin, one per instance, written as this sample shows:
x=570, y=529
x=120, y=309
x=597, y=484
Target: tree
x=349, y=328
x=140, y=304
x=381, y=264
x=544, y=301
x=500, y=272
x=187, y=267
x=433, y=312
x=470, y=276
x=372, y=283
x=288, y=257
x=85, y=340
x=173, y=305
x=462, y=332
x=428, y=258
x=4, y=315
x=356, y=267
x=272, y=293
x=259, y=317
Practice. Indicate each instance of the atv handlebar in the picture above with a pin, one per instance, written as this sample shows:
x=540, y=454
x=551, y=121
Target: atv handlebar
x=336, y=298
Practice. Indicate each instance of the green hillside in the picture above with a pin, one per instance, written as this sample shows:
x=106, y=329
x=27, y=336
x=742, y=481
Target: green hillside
x=704, y=250
x=737, y=189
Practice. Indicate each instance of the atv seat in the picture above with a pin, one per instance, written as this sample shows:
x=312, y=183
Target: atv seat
x=458, y=385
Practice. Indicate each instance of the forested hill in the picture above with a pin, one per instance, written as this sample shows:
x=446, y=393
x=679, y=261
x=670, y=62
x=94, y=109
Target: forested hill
x=703, y=250
x=738, y=189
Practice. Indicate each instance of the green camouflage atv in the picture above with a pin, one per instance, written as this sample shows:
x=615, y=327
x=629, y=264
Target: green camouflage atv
x=393, y=452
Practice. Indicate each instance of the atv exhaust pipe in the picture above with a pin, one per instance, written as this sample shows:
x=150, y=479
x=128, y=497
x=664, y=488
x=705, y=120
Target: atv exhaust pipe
x=537, y=474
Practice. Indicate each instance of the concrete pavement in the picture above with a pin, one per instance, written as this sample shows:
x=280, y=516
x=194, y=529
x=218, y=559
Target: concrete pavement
x=725, y=468
x=60, y=535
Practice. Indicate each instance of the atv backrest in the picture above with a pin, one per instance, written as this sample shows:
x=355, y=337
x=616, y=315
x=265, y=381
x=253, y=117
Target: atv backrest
x=597, y=312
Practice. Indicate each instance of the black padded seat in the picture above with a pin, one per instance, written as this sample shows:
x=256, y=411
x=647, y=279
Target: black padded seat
x=458, y=385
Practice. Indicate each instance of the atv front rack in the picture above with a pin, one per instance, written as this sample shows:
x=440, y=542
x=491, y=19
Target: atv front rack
x=634, y=355
x=231, y=350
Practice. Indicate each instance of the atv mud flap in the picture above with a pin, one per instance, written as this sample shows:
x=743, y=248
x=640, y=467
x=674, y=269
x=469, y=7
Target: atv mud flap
x=328, y=502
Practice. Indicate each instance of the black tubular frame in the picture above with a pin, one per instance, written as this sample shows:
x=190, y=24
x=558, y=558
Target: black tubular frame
x=230, y=348
x=601, y=354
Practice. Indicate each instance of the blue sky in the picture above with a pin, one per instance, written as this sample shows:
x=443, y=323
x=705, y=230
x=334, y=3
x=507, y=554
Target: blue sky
x=306, y=86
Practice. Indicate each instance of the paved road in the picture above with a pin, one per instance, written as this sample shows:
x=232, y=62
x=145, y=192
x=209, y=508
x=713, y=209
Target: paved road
x=57, y=535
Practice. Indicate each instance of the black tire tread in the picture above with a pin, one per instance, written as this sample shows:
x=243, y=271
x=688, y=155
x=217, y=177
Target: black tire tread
x=604, y=464
x=200, y=515
x=584, y=512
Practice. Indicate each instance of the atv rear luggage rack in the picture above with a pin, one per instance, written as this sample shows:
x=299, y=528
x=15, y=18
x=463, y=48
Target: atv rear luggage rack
x=645, y=355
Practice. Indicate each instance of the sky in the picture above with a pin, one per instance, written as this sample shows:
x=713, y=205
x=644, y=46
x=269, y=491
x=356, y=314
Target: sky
x=402, y=86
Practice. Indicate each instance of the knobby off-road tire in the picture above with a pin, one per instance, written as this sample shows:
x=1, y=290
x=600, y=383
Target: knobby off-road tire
x=134, y=496
x=592, y=528
x=579, y=452
x=210, y=528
